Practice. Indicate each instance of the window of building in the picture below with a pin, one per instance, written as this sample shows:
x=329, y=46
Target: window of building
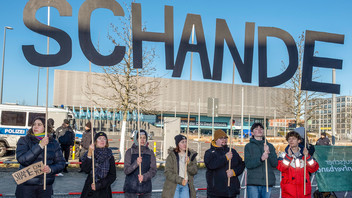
x=342, y=99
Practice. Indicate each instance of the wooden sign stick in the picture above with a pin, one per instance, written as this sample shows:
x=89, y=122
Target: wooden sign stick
x=189, y=101
x=231, y=130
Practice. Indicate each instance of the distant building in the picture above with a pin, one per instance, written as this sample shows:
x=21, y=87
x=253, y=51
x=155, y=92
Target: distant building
x=172, y=99
x=322, y=116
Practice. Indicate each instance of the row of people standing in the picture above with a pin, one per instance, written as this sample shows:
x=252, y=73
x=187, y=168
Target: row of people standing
x=180, y=168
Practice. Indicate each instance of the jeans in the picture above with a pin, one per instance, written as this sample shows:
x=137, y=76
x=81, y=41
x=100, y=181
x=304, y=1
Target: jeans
x=181, y=191
x=258, y=192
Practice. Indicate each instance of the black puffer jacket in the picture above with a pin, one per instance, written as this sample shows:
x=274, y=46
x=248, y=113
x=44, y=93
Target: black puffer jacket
x=29, y=152
x=217, y=164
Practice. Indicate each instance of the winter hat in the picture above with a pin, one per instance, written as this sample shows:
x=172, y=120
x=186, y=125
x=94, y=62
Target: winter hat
x=179, y=138
x=66, y=121
x=100, y=134
x=218, y=134
x=89, y=125
x=300, y=131
x=135, y=137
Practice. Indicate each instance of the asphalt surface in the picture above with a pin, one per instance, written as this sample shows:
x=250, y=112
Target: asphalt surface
x=73, y=181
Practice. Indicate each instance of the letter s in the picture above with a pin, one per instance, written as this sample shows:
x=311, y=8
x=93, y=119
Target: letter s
x=64, y=40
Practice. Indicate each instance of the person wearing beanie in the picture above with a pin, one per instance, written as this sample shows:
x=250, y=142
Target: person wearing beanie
x=86, y=140
x=105, y=170
x=177, y=183
x=30, y=150
x=216, y=160
x=255, y=154
x=66, y=138
x=137, y=185
x=323, y=140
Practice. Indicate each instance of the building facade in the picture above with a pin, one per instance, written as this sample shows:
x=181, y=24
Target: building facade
x=250, y=102
x=322, y=116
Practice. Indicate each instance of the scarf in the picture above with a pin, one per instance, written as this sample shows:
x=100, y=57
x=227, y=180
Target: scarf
x=102, y=158
x=39, y=136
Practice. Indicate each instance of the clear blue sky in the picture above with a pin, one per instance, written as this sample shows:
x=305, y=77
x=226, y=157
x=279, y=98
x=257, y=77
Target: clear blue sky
x=295, y=17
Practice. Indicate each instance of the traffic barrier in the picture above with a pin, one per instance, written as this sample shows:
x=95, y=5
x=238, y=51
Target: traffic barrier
x=114, y=192
x=117, y=163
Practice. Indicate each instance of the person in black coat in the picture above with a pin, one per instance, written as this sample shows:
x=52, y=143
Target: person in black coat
x=30, y=150
x=86, y=140
x=66, y=138
x=323, y=140
x=216, y=160
x=105, y=170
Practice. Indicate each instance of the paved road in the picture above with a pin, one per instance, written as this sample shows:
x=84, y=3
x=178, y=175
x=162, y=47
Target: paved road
x=74, y=181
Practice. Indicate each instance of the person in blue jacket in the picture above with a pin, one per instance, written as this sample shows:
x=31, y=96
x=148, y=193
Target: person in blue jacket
x=30, y=150
x=216, y=160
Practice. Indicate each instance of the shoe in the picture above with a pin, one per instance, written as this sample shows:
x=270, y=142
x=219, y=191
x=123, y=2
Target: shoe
x=59, y=174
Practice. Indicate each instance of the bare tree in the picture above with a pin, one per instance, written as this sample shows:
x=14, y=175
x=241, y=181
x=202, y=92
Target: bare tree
x=117, y=87
x=296, y=106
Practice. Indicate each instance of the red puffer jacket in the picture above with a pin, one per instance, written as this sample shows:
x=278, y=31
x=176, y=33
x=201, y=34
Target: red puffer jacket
x=292, y=169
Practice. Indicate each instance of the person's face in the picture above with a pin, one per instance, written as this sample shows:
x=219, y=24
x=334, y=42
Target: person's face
x=222, y=141
x=143, y=140
x=87, y=128
x=182, y=145
x=323, y=136
x=293, y=141
x=258, y=132
x=38, y=127
x=101, y=142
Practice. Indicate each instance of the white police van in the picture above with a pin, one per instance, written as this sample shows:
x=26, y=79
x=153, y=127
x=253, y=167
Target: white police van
x=16, y=120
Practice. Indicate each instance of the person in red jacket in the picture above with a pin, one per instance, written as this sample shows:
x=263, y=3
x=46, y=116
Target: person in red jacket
x=291, y=165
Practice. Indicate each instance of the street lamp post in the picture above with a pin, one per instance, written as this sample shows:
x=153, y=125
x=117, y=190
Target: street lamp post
x=3, y=61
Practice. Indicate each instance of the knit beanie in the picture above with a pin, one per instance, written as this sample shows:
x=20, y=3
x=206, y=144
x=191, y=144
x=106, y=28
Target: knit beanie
x=179, y=138
x=100, y=134
x=135, y=137
x=218, y=134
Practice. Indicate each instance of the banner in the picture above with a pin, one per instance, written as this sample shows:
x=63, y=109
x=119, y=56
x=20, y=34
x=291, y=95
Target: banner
x=335, y=168
x=82, y=115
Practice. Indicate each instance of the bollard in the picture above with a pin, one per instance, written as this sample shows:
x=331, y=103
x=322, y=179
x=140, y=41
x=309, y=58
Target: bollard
x=73, y=152
x=154, y=148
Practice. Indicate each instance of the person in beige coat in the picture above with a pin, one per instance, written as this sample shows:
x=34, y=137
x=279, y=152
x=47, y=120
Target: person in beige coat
x=176, y=185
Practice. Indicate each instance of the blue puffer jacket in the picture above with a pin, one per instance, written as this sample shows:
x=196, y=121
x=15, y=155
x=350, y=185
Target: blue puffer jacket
x=29, y=152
